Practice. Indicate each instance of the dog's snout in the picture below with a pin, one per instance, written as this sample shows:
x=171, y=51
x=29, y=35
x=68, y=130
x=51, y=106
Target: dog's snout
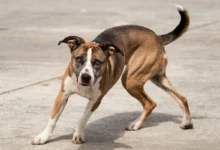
x=86, y=78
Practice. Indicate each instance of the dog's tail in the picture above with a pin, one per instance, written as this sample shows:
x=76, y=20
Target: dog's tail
x=179, y=30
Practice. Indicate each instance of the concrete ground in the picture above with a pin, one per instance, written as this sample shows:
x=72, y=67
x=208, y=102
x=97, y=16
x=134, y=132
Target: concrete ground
x=29, y=32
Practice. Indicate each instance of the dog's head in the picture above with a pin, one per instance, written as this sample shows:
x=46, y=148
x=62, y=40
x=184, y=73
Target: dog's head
x=89, y=59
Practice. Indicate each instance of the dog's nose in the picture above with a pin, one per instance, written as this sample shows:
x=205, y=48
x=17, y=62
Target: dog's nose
x=86, y=78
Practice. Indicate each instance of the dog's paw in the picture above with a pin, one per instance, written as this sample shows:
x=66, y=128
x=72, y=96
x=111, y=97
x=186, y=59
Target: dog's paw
x=40, y=139
x=132, y=127
x=78, y=139
x=78, y=136
x=186, y=125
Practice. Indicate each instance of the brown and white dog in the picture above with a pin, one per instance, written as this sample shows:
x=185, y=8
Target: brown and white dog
x=96, y=66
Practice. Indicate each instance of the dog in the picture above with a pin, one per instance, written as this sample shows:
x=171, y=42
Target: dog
x=96, y=66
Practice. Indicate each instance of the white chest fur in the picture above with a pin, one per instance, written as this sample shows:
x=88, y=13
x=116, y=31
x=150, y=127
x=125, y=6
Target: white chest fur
x=71, y=86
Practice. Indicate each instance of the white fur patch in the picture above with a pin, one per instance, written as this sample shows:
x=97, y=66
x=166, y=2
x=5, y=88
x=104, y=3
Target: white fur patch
x=90, y=92
x=88, y=67
x=179, y=7
x=43, y=136
x=70, y=84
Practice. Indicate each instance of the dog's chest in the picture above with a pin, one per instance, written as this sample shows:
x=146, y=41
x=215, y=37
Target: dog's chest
x=72, y=86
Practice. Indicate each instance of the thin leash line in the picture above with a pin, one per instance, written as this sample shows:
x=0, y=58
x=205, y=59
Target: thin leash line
x=32, y=84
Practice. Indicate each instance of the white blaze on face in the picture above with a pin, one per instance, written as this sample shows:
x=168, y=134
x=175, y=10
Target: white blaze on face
x=88, y=68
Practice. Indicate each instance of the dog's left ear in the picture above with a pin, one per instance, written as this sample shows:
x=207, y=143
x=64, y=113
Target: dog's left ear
x=73, y=42
x=110, y=49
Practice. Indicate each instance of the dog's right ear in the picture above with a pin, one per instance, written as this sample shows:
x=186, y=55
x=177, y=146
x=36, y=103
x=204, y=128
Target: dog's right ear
x=73, y=42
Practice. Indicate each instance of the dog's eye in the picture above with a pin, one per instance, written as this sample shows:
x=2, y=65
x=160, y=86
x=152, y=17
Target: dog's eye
x=79, y=59
x=97, y=62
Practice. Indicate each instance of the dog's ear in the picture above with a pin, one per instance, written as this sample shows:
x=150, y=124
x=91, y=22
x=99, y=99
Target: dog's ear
x=110, y=49
x=73, y=42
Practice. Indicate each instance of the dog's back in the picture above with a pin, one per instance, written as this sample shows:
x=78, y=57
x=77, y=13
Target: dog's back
x=129, y=37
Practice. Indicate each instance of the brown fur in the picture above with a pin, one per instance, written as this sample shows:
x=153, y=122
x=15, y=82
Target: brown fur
x=58, y=101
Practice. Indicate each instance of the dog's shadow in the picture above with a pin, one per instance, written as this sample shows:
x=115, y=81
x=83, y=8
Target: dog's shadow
x=102, y=133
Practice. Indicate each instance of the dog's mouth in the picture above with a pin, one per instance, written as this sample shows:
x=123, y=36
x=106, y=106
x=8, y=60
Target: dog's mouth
x=84, y=84
x=90, y=83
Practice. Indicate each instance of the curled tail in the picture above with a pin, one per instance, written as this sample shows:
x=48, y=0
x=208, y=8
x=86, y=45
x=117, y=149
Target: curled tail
x=179, y=30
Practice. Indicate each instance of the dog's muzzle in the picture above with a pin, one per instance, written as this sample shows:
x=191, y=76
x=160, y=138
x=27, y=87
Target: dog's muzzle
x=86, y=78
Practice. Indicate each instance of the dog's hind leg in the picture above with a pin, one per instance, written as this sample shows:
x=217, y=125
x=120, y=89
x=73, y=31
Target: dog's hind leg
x=136, y=89
x=136, y=74
x=163, y=82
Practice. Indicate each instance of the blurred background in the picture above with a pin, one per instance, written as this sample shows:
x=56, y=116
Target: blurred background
x=29, y=55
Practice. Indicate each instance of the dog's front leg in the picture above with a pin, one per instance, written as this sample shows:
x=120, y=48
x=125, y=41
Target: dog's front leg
x=92, y=105
x=59, y=105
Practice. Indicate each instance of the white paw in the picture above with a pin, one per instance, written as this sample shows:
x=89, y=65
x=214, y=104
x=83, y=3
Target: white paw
x=78, y=138
x=186, y=124
x=133, y=126
x=40, y=139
